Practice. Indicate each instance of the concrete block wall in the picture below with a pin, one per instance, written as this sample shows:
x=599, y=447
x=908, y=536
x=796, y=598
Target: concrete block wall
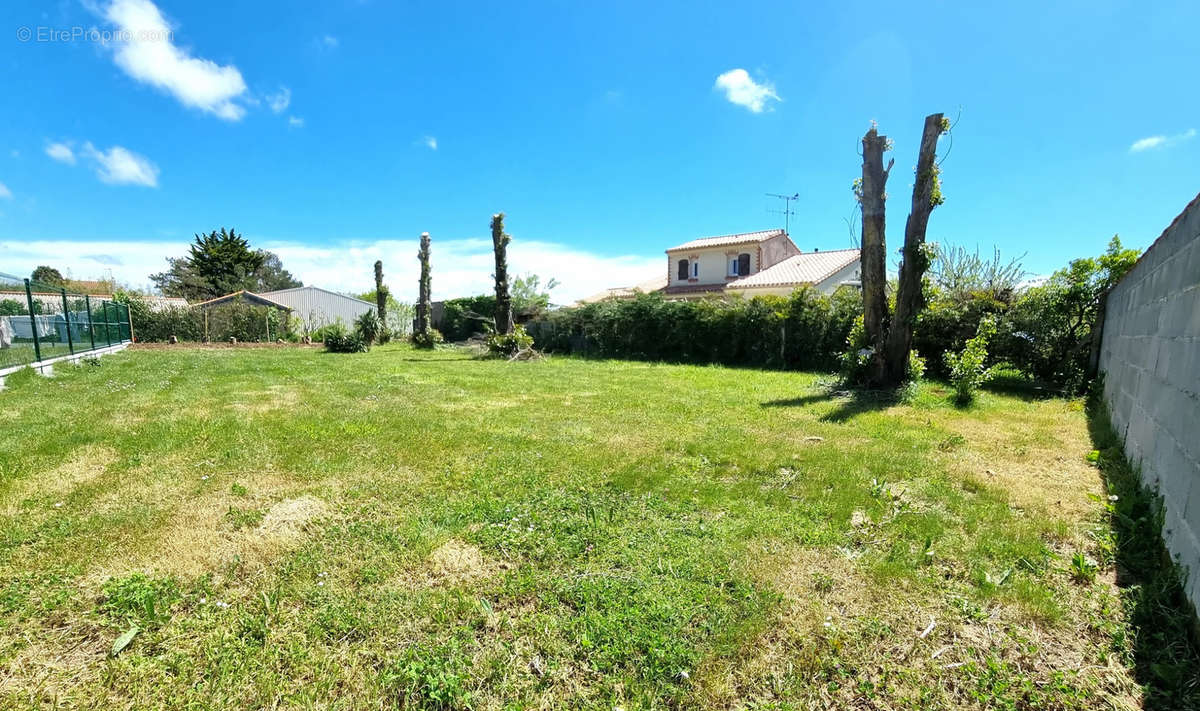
x=1150, y=358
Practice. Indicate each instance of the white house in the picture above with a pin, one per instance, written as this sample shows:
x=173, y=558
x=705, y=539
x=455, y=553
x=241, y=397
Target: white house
x=314, y=307
x=750, y=264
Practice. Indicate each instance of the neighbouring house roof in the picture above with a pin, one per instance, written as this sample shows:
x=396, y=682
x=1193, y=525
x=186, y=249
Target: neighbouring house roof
x=248, y=296
x=627, y=292
x=158, y=303
x=728, y=240
x=805, y=268
x=694, y=289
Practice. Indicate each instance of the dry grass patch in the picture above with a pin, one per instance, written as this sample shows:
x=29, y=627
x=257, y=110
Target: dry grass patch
x=203, y=537
x=455, y=562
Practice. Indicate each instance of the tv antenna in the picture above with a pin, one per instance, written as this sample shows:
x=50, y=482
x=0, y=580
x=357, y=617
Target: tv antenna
x=787, y=209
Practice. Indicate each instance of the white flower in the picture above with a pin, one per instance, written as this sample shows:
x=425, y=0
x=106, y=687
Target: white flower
x=58, y=505
x=222, y=604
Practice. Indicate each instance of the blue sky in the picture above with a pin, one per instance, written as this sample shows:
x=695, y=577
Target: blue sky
x=336, y=132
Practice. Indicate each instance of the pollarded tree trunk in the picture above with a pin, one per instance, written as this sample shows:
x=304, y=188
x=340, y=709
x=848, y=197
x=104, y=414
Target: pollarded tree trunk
x=381, y=293
x=927, y=194
x=504, y=318
x=424, y=303
x=874, y=255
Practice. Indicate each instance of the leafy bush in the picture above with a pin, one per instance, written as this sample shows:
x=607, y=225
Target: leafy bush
x=369, y=327
x=237, y=319
x=426, y=340
x=338, y=340
x=467, y=317
x=968, y=369
x=509, y=344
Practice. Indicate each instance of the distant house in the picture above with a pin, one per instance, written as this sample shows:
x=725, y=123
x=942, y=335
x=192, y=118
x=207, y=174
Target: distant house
x=313, y=307
x=750, y=264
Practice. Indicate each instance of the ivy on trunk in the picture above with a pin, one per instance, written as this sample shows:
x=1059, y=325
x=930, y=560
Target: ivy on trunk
x=500, y=240
x=890, y=339
x=424, y=303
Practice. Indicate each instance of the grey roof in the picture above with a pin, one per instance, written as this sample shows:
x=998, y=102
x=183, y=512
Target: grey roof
x=728, y=240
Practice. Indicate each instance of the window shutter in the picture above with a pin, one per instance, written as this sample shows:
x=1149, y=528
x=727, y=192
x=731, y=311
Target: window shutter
x=683, y=269
x=743, y=264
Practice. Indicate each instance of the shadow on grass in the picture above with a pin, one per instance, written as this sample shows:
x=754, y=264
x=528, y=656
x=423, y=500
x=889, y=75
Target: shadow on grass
x=1016, y=384
x=1164, y=648
x=850, y=403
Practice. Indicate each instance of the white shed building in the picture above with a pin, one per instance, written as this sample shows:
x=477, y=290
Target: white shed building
x=315, y=307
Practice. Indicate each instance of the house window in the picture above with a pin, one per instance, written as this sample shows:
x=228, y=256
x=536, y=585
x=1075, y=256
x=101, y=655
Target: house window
x=683, y=270
x=696, y=269
x=739, y=265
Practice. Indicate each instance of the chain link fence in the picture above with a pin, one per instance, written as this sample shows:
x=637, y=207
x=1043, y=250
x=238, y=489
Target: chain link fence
x=39, y=322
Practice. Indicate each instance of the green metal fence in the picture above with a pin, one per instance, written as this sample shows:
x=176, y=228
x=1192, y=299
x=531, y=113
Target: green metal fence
x=40, y=321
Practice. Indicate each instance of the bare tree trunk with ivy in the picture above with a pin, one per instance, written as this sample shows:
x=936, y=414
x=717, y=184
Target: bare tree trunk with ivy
x=504, y=318
x=381, y=293
x=424, y=303
x=915, y=259
x=872, y=196
x=891, y=339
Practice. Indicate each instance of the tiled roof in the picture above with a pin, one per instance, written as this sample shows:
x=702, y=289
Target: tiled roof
x=806, y=268
x=694, y=289
x=726, y=240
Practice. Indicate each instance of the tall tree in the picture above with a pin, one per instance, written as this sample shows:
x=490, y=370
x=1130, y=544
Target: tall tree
x=48, y=276
x=271, y=276
x=424, y=299
x=500, y=240
x=381, y=292
x=891, y=339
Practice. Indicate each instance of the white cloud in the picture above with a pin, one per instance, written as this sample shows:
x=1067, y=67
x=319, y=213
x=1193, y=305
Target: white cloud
x=740, y=89
x=61, y=152
x=120, y=166
x=280, y=100
x=295, y=121
x=5, y=193
x=1161, y=141
x=430, y=142
x=328, y=42
x=145, y=50
x=461, y=267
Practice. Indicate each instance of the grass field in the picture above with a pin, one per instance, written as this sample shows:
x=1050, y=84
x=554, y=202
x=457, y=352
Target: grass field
x=292, y=529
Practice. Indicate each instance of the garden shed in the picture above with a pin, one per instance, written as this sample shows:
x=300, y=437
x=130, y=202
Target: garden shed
x=313, y=307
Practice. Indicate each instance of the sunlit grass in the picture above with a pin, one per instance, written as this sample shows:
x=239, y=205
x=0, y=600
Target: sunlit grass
x=294, y=528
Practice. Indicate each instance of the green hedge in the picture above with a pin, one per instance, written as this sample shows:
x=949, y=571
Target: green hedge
x=236, y=319
x=803, y=331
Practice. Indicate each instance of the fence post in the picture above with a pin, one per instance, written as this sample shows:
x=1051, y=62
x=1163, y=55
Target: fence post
x=37, y=346
x=67, y=320
x=87, y=302
x=128, y=322
x=107, y=333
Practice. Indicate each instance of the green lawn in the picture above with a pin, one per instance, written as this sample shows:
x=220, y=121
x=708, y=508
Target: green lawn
x=295, y=529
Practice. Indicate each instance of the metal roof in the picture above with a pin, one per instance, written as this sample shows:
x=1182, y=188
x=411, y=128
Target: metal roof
x=248, y=296
x=727, y=240
x=805, y=268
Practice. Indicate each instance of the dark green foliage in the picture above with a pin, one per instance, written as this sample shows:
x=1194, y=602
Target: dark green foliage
x=500, y=240
x=948, y=323
x=12, y=307
x=467, y=317
x=48, y=276
x=221, y=263
x=802, y=331
x=509, y=344
x=339, y=340
x=369, y=327
x=237, y=319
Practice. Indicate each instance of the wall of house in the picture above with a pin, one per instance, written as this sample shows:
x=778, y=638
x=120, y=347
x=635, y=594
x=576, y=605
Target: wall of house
x=1150, y=358
x=777, y=249
x=714, y=264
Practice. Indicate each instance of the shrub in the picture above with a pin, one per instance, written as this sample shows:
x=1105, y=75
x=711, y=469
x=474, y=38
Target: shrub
x=339, y=340
x=968, y=370
x=467, y=317
x=805, y=330
x=426, y=340
x=369, y=327
x=509, y=344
